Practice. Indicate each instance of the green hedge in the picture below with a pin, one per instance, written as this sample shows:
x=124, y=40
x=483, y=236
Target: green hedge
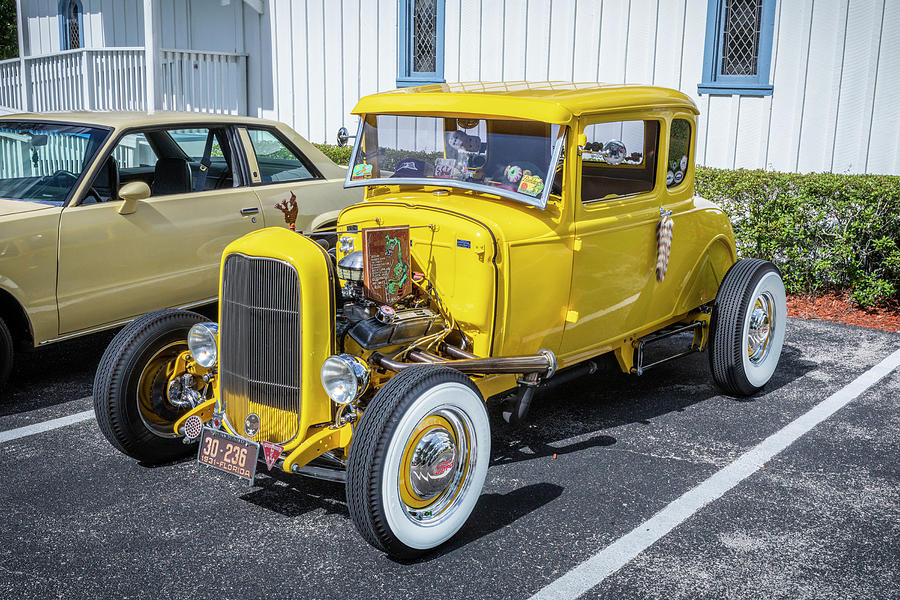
x=824, y=231
x=337, y=154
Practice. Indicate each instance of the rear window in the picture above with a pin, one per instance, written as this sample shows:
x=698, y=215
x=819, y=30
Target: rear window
x=679, y=151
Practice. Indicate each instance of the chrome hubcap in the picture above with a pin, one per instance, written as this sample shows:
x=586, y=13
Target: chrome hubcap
x=433, y=463
x=434, y=472
x=762, y=326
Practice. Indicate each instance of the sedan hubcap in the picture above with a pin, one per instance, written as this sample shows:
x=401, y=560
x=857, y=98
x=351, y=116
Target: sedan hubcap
x=762, y=325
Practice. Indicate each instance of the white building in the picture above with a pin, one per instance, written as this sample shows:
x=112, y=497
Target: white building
x=789, y=85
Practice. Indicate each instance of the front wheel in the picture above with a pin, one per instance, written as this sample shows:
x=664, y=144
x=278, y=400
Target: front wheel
x=131, y=388
x=747, y=327
x=418, y=460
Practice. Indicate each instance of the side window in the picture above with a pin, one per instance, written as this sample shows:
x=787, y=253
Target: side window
x=679, y=151
x=619, y=159
x=134, y=151
x=192, y=142
x=132, y=159
x=277, y=163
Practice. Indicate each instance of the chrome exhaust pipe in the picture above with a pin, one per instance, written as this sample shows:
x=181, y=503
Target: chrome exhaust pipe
x=543, y=364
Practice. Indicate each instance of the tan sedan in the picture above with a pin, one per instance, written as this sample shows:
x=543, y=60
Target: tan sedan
x=106, y=216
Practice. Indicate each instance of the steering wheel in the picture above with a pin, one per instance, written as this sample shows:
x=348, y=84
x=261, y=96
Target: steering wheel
x=60, y=174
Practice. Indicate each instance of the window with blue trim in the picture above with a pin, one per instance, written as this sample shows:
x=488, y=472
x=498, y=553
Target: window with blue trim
x=420, y=46
x=71, y=23
x=738, y=50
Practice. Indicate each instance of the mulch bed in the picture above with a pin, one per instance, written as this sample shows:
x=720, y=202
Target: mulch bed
x=836, y=307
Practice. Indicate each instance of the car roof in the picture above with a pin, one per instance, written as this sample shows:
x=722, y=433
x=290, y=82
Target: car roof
x=124, y=118
x=549, y=101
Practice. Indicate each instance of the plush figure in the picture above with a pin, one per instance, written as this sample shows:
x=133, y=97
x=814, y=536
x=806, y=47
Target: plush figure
x=460, y=140
x=513, y=173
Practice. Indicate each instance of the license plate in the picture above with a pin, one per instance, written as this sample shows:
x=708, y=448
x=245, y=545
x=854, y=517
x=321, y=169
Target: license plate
x=228, y=453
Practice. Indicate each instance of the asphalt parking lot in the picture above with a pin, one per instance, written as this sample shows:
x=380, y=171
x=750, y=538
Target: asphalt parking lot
x=600, y=474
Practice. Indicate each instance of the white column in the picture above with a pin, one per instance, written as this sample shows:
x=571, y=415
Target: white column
x=152, y=54
x=24, y=83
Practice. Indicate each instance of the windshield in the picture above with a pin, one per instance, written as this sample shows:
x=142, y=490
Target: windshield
x=511, y=158
x=41, y=162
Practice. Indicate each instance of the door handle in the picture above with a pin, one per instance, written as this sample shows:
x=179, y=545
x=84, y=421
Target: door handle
x=249, y=211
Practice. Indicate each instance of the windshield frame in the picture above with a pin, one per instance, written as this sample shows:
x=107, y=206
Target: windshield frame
x=90, y=161
x=539, y=202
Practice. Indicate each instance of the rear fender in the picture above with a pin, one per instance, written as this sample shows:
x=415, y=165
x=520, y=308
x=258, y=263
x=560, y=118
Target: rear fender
x=707, y=274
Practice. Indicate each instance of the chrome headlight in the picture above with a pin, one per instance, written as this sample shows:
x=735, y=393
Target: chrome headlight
x=202, y=343
x=345, y=377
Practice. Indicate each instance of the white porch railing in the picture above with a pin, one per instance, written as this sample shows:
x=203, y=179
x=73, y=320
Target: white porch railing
x=10, y=84
x=116, y=79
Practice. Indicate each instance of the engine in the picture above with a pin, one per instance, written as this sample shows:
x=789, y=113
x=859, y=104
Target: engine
x=371, y=325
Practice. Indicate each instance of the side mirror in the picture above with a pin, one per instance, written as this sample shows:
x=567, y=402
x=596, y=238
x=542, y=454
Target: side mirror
x=343, y=136
x=130, y=193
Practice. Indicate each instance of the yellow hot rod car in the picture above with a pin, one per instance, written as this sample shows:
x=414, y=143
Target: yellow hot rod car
x=510, y=234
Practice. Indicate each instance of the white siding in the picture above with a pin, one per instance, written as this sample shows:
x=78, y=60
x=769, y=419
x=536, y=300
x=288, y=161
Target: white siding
x=835, y=68
x=835, y=63
x=194, y=24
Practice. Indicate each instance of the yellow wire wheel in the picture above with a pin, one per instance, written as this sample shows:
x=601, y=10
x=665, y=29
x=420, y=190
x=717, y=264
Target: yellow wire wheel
x=136, y=382
x=156, y=411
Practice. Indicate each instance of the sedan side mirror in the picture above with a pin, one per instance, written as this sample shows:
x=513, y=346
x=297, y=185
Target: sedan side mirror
x=130, y=193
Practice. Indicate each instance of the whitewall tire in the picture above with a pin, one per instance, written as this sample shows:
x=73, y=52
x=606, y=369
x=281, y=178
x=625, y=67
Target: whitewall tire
x=747, y=328
x=418, y=460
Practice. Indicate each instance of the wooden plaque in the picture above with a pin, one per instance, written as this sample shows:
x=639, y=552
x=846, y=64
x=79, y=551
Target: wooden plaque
x=388, y=270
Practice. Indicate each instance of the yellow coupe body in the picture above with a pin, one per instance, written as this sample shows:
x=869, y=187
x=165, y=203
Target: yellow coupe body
x=510, y=234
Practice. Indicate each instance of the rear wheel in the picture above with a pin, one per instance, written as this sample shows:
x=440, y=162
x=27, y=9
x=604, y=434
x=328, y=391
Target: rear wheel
x=131, y=387
x=7, y=353
x=747, y=327
x=418, y=460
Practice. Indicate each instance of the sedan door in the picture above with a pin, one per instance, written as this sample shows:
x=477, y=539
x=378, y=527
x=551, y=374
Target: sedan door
x=166, y=253
x=291, y=190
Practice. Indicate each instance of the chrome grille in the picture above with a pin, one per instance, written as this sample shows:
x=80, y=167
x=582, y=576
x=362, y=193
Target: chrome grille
x=259, y=356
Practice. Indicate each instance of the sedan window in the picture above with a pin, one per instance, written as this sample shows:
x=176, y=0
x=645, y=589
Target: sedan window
x=277, y=162
x=209, y=154
x=42, y=162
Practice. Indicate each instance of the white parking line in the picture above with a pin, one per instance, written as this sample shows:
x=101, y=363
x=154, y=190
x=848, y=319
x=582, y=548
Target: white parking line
x=615, y=556
x=20, y=432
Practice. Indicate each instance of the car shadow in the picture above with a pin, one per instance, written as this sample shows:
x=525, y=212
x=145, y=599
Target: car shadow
x=296, y=495
x=492, y=513
x=589, y=406
x=584, y=409
x=55, y=374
